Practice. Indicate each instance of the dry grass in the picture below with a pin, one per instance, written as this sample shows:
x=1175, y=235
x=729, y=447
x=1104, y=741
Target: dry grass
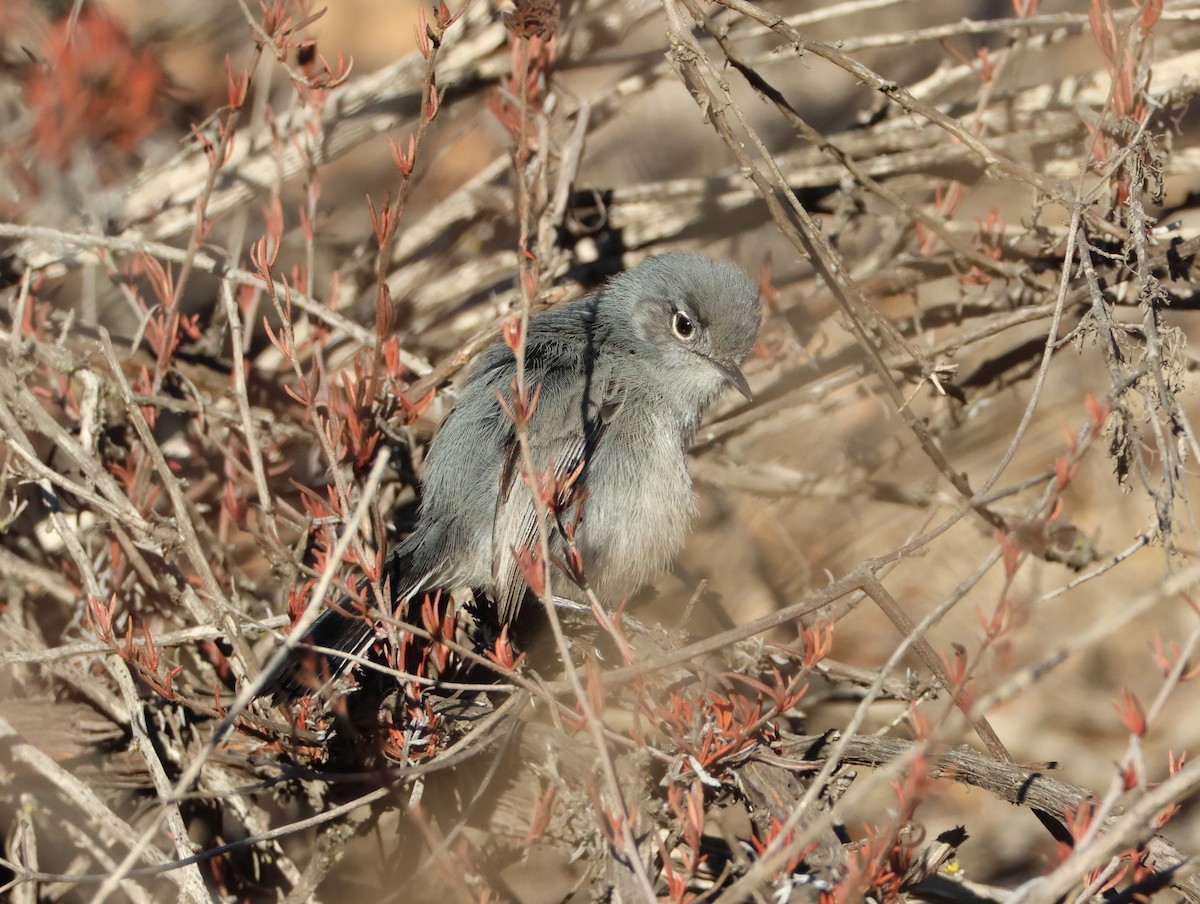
x=944, y=573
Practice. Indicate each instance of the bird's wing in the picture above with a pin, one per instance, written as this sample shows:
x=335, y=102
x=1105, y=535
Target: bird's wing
x=565, y=434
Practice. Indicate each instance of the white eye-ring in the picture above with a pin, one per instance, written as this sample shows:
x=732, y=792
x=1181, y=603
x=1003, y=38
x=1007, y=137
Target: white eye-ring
x=683, y=326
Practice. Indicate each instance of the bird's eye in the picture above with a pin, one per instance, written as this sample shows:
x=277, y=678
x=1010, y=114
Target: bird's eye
x=683, y=326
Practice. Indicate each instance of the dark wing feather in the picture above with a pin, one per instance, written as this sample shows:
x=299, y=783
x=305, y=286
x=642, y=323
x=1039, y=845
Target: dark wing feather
x=566, y=431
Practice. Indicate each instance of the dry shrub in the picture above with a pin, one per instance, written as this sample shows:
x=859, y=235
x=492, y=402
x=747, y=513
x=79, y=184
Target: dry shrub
x=954, y=523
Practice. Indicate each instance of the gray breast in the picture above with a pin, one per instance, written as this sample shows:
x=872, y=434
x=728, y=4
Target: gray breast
x=639, y=508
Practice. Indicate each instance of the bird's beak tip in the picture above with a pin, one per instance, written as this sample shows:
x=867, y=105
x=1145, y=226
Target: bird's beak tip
x=734, y=377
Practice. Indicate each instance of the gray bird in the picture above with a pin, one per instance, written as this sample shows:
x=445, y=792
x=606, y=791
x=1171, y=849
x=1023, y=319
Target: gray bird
x=625, y=375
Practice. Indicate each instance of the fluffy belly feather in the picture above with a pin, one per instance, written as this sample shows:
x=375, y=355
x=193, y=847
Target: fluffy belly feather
x=632, y=527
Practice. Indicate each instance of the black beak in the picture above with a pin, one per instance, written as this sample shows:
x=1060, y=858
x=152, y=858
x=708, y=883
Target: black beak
x=733, y=376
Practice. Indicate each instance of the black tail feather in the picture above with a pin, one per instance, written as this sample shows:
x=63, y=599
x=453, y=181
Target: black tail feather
x=306, y=670
x=345, y=628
